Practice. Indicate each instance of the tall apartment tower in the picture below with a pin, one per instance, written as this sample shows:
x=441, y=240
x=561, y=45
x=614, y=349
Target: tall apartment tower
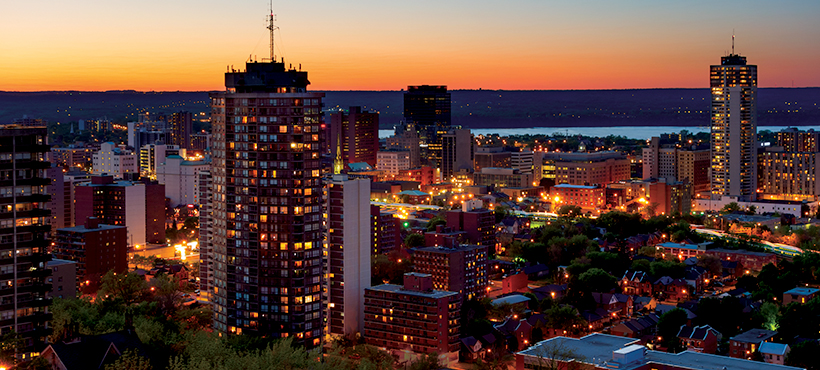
x=348, y=239
x=206, y=264
x=180, y=127
x=354, y=136
x=24, y=225
x=457, y=152
x=267, y=205
x=734, y=128
x=428, y=107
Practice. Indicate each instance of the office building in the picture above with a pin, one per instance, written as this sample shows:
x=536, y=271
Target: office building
x=267, y=205
x=24, y=228
x=114, y=161
x=588, y=197
x=734, y=128
x=675, y=163
x=138, y=205
x=492, y=157
x=348, y=242
x=72, y=158
x=479, y=224
x=457, y=153
x=353, y=136
x=392, y=162
x=670, y=197
x=96, y=248
x=428, y=107
x=407, y=139
x=503, y=178
x=461, y=269
x=151, y=155
x=413, y=319
x=181, y=179
x=58, y=203
x=588, y=168
x=180, y=129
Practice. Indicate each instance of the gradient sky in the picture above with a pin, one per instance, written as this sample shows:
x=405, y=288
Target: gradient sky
x=387, y=45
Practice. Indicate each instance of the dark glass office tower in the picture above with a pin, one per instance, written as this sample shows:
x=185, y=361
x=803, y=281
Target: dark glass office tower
x=428, y=107
x=266, y=224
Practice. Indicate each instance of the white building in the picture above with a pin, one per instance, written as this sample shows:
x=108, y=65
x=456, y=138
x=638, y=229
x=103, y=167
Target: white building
x=734, y=128
x=393, y=161
x=151, y=155
x=114, y=161
x=181, y=179
x=349, y=243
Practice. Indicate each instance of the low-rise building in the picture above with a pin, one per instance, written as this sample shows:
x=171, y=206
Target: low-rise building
x=96, y=248
x=774, y=353
x=745, y=344
x=115, y=161
x=800, y=295
x=681, y=251
x=63, y=279
x=753, y=261
x=588, y=197
x=413, y=319
x=699, y=338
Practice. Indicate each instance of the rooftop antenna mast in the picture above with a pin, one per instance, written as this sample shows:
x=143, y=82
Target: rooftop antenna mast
x=272, y=28
x=733, y=41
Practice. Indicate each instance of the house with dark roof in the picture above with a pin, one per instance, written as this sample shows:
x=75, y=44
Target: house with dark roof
x=88, y=352
x=516, y=333
x=471, y=350
x=637, y=328
x=702, y=339
x=617, y=304
x=745, y=344
x=597, y=319
x=554, y=291
x=800, y=295
x=672, y=289
x=696, y=277
x=637, y=283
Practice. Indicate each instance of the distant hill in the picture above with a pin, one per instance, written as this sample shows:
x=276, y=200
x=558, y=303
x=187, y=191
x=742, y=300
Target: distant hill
x=471, y=108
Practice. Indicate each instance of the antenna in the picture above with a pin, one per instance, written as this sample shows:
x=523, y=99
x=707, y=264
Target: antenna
x=272, y=28
x=733, y=40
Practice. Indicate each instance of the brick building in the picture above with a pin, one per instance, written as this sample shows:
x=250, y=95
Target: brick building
x=462, y=269
x=97, y=248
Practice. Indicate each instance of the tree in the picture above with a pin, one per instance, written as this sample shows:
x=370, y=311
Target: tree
x=804, y=354
x=640, y=265
x=10, y=343
x=168, y=291
x=130, y=360
x=554, y=355
x=496, y=360
x=427, y=362
x=597, y=280
x=414, y=240
x=667, y=268
x=771, y=315
x=730, y=208
x=570, y=211
x=431, y=226
x=711, y=263
x=668, y=327
x=130, y=287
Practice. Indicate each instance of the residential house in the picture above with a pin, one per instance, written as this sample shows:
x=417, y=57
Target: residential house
x=637, y=283
x=637, y=328
x=774, y=353
x=745, y=344
x=702, y=339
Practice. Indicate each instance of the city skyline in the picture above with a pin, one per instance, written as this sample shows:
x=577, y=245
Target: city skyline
x=92, y=45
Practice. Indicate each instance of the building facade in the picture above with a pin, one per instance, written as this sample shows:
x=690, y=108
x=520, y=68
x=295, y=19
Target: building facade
x=589, y=168
x=734, y=128
x=392, y=162
x=788, y=175
x=348, y=243
x=114, y=161
x=461, y=269
x=428, y=107
x=354, y=136
x=457, y=153
x=96, y=248
x=267, y=205
x=24, y=236
x=181, y=179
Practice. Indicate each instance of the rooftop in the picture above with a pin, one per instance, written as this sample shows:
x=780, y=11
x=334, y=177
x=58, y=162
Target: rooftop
x=678, y=245
x=570, y=186
x=773, y=348
x=754, y=336
x=511, y=299
x=82, y=229
x=802, y=291
x=436, y=294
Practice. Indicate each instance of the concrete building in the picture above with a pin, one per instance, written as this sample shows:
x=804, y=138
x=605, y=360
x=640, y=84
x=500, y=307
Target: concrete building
x=96, y=248
x=180, y=128
x=523, y=161
x=457, y=152
x=589, y=168
x=152, y=155
x=206, y=261
x=73, y=158
x=353, y=136
x=267, y=205
x=138, y=205
x=392, y=162
x=407, y=138
x=670, y=197
x=24, y=239
x=786, y=175
x=676, y=163
x=114, y=161
x=181, y=179
x=604, y=351
x=794, y=140
x=479, y=224
x=734, y=128
x=413, y=319
x=796, y=208
x=63, y=279
x=588, y=197
x=461, y=269
x=503, y=178
x=349, y=237
x=492, y=157
x=386, y=234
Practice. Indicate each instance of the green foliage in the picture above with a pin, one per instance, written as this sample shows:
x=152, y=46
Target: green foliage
x=667, y=268
x=771, y=316
x=804, y=355
x=130, y=287
x=801, y=320
x=640, y=265
x=711, y=263
x=668, y=326
x=426, y=362
x=435, y=221
x=500, y=213
x=730, y=208
x=414, y=240
x=570, y=211
x=9, y=344
x=565, y=317
x=597, y=280
x=725, y=315
x=207, y=351
x=388, y=269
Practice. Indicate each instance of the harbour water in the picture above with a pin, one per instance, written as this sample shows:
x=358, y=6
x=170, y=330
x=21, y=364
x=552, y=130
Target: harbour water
x=635, y=132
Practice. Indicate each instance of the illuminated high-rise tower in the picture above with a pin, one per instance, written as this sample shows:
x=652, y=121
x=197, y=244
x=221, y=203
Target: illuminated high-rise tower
x=734, y=127
x=266, y=223
x=428, y=107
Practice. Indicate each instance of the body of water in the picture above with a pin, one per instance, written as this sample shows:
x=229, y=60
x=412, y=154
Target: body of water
x=635, y=132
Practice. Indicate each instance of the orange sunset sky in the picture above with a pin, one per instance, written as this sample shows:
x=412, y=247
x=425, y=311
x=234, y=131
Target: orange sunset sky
x=386, y=45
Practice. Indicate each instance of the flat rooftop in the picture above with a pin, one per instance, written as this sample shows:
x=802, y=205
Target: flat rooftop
x=393, y=288
x=82, y=229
